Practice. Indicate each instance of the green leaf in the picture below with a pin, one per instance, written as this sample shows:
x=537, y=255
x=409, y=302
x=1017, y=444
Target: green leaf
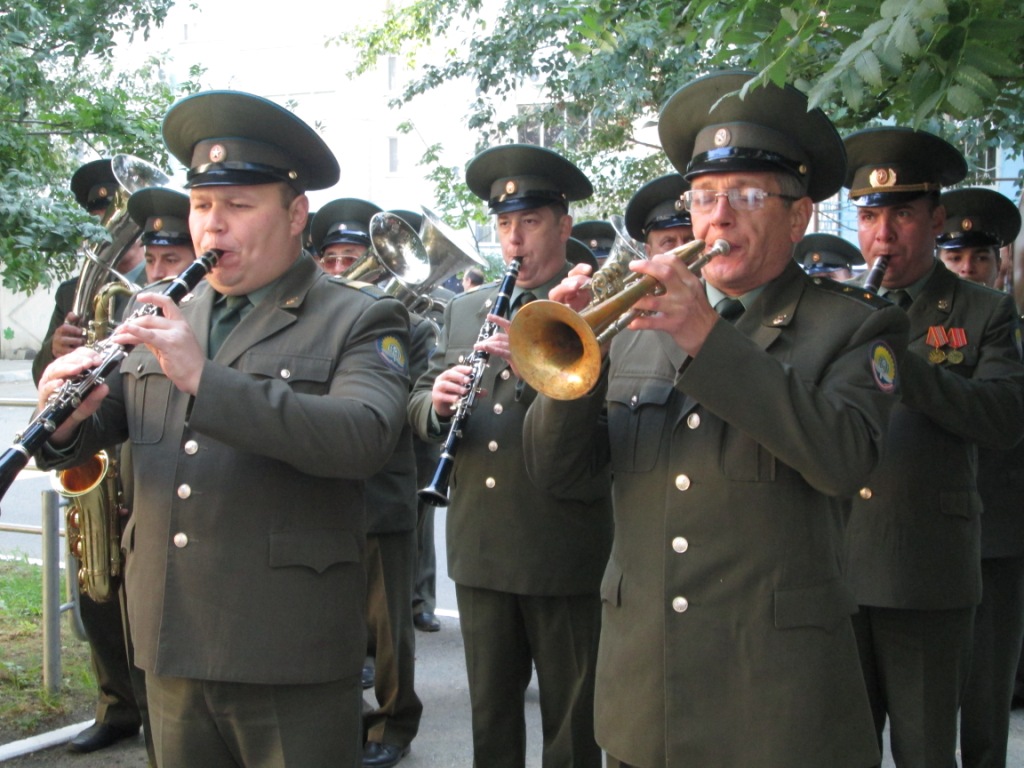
x=989, y=59
x=965, y=101
x=976, y=80
x=869, y=68
x=790, y=17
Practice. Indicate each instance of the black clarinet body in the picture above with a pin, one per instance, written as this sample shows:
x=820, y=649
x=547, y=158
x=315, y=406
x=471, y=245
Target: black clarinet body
x=436, y=492
x=62, y=403
x=874, y=279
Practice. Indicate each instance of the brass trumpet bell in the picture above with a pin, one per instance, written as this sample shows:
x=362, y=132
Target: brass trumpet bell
x=557, y=351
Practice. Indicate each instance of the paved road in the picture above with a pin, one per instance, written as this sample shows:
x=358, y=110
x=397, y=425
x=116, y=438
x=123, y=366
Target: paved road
x=444, y=739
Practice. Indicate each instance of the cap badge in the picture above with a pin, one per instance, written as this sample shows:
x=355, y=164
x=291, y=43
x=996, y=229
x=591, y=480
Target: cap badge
x=816, y=257
x=966, y=225
x=802, y=169
x=218, y=153
x=882, y=177
x=511, y=187
x=679, y=205
x=103, y=192
x=293, y=175
x=722, y=137
x=593, y=243
x=158, y=224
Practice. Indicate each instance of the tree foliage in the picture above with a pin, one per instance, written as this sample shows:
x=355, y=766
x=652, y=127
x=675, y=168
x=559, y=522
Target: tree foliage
x=604, y=67
x=63, y=102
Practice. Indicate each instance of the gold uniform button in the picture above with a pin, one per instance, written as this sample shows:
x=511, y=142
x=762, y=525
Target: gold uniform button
x=505, y=374
x=680, y=604
x=285, y=373
x=184, y=491
x=180, y=540
x=682, y=482
x=191, y=447
x=498, y=408
x=680, y=544
x=489, y=482
x=492, y=446
x=693, y=420
x=865, y=493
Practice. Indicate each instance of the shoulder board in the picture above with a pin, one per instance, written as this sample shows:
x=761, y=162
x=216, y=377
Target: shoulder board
x=851, y=291
x=368, y=288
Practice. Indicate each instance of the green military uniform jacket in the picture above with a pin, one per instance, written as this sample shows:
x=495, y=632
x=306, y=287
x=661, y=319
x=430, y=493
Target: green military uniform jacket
x=913, y=539
x=243, y=552
x=503, y=532
x=726, y=636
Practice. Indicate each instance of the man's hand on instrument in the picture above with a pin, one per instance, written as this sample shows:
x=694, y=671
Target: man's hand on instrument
x=169, y=338
x=449, y=387
x=574, y=289
x=60, y=371
x=682, y=310
x=67, y=337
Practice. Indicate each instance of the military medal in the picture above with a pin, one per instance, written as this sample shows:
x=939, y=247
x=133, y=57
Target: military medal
x=937, y=338
x=957, y=339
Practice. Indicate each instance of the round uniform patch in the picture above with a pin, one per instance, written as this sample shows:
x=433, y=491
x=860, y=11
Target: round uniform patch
x=392, y=352
x=883, y=366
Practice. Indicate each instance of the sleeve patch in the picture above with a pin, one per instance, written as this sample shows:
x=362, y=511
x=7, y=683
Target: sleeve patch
x=393, y=353
x=883, y=366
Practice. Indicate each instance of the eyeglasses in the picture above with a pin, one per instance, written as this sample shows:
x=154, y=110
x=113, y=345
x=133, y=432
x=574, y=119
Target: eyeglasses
x=742, y=199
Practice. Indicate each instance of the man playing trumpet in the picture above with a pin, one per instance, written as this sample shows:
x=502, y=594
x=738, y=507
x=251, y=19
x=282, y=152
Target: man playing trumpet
x=730, y=434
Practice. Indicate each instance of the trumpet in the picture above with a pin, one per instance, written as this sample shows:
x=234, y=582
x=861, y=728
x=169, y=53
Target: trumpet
x=557, y=351
x=62, y=403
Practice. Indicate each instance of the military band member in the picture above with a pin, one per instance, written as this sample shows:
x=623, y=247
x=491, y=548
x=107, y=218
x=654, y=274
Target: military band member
x=913, y=536
x=577, y=252
x=656, y=216
x=163, y=215
x=120, y=709
x=473, y=278
x=729, y=437
x=597, y=235
x=825, y=255
x=256, y=410
x=978, y=223
x=341, y=233
x=526, y=565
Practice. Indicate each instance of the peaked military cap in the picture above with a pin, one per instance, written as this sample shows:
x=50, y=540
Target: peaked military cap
x=413, y=219
x=657, y=205
x=824, y=253
x=888, y=166
x=94, y=184
x=597, y=235
x=978, y=217
x=163, y=215
x=233, y=138
x=517, y=177
x=705, y=130
x=346, y=220
x=577, y=252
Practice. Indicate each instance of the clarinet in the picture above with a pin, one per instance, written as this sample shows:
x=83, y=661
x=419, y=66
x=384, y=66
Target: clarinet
x=874, y=279
x=436, y=492
x=62, y=403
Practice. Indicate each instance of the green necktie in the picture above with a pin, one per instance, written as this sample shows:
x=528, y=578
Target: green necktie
x=226, y=317
x=524, y=298
x=729, y=309
x=900, y=298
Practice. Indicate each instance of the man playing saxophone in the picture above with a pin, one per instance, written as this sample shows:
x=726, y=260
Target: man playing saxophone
x=526, y=565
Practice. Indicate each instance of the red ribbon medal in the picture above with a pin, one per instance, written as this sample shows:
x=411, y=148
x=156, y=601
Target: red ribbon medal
x=937, y=338
x=957, y=339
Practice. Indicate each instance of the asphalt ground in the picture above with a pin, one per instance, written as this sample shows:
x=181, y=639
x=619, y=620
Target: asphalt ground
x=444, y=739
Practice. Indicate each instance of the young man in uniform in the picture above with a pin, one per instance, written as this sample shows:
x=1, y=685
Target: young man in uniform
x=256, y=410
x=656, y=216
x=979, y=222
x=526, y=565
x=913, y=535
x=163, y=215
x=732, y=415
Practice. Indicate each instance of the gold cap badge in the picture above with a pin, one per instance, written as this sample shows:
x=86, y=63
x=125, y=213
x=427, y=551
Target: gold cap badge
x=722, y=137
x=882, y=177
x=218, y=153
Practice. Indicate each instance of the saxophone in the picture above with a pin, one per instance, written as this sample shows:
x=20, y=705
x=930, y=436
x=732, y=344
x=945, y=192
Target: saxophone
x=93, y=489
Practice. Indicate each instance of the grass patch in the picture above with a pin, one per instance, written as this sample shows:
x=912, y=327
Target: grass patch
x=25, y=706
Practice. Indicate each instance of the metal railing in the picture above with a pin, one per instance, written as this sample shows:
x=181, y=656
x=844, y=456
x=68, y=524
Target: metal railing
x=51, y=533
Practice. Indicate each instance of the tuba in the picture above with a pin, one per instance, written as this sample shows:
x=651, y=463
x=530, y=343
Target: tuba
x=93, y=518
x=419, y=262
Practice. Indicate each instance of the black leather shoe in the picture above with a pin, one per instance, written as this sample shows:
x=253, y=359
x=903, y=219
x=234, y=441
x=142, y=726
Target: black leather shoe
x=425, y=621
x=368, y=675
x=376, y=755
x=99, y=736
